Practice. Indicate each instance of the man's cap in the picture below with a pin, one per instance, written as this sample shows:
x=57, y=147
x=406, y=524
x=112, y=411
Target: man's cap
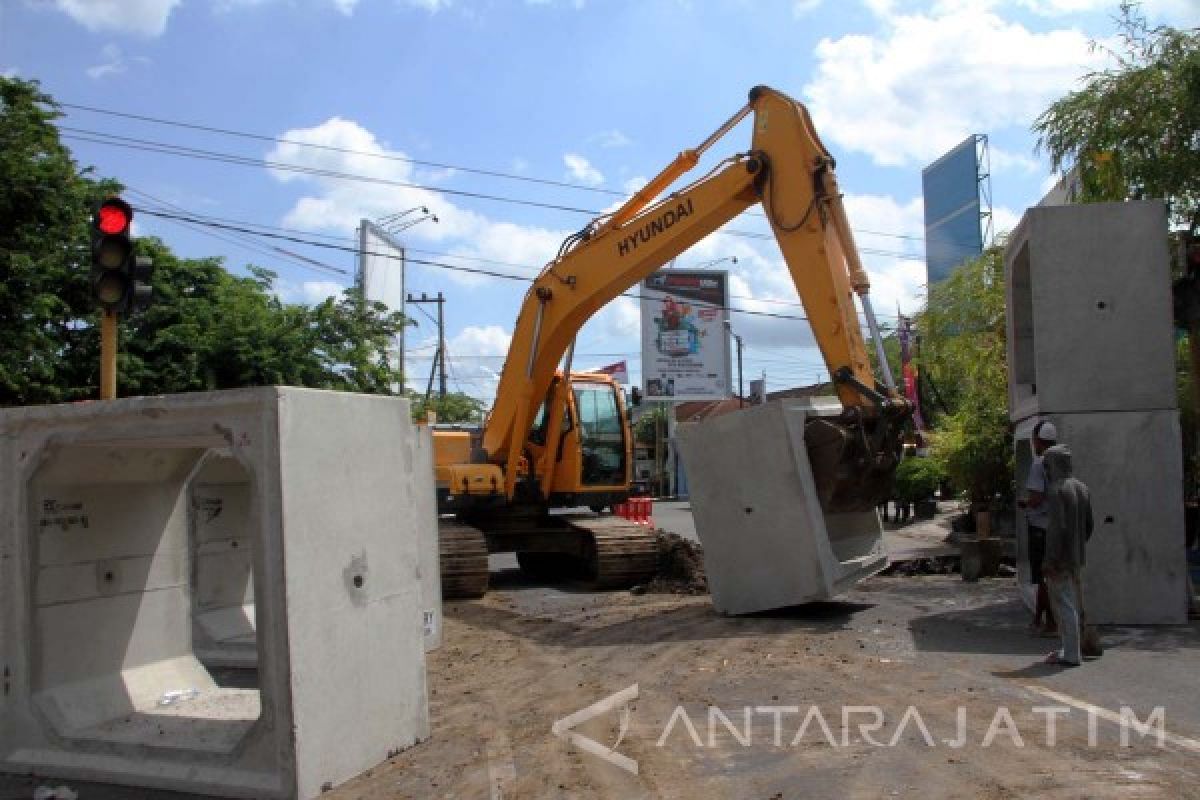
x=1046, y=431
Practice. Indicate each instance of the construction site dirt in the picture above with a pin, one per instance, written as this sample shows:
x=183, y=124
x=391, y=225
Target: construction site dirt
x=957, y=657
x=921, y=686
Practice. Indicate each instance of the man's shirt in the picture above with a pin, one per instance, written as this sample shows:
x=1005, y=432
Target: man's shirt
x=1036, y=482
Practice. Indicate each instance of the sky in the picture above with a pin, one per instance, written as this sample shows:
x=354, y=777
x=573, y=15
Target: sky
x=515, y=122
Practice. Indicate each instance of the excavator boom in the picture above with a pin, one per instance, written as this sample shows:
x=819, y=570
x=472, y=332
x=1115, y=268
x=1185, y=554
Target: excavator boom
x=557, y=439
x=789, y=171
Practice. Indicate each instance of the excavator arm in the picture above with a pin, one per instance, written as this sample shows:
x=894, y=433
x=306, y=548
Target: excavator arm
x=791, y=174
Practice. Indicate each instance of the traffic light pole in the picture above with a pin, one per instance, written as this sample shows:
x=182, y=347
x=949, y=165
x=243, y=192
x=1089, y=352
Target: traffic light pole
x=120, y=280
x=108, y=356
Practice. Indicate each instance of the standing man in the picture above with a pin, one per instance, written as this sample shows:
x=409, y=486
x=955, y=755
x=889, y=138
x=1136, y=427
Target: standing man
x=1067, y=531
x=1037, y=516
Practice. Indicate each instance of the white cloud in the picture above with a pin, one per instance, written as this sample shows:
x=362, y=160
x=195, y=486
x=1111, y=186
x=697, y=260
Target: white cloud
x=475, y=358
x=224, y=6
x=580, y=169
x=432, y=6
x=927, y=80
x=313, y=292
x=1004, y=219
x=519, y=165
x=1181, y=13
x=612, y=138
x=1005, y=161
x=307, y=292
x=802, y=8
x=338, y=205
x=114, y=63
x=631, y=185
x=142, y=17
x=480, y=340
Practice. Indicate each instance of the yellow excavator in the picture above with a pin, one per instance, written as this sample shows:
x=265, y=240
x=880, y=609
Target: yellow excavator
x=556, y=439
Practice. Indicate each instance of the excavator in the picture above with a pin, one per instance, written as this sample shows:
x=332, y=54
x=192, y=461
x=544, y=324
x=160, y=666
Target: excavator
x=557, y=439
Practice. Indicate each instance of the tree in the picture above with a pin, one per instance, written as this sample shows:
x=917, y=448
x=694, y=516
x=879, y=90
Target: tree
x=454, y=407
x=1134, y=129
x=207, y=329
x=44, y=254
x=964, y=349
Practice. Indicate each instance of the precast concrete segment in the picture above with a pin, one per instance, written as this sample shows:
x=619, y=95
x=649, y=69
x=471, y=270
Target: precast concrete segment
x=98, y=597
x=1132, y=464
x=1091, y=348
x=767, y=543
x=1088, y=292
x=425, y=526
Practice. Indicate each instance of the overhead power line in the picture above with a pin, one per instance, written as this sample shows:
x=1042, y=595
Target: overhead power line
x=346, y=150
x=530, y=267
x=438, y=264
x=491, y=173
x=183, y=151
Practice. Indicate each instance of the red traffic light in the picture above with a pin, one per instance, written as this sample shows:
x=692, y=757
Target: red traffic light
x=114, y=216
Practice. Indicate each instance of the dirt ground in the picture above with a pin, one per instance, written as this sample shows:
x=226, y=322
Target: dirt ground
x=524, y=656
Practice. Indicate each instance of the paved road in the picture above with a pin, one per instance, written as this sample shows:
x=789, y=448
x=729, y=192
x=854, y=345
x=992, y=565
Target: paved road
x=916, y=540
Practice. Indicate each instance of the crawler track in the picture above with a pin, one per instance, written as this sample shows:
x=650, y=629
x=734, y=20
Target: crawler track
x=464, y=560
x=620, y=554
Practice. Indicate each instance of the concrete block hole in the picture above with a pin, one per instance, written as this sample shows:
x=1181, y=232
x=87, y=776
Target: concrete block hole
x=144, y=597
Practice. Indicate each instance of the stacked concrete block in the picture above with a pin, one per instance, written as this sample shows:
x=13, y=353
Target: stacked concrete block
x=767, y=543
x=1091, y=348
x=98, y=596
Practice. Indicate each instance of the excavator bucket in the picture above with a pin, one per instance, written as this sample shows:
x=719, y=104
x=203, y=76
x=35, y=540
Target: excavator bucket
x=787, y=513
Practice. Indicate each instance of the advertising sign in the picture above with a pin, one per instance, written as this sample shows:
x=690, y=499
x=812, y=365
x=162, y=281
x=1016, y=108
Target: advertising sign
x=685, y=344
x=950, y=187
x=381, y=274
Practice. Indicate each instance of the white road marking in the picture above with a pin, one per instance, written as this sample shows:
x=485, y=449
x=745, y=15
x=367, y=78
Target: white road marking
x=1182, y=742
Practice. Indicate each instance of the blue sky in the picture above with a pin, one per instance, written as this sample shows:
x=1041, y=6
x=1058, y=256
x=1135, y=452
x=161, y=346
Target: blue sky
x=598, y=94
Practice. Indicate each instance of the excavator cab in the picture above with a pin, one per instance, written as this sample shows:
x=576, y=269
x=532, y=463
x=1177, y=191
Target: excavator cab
x=594, y=452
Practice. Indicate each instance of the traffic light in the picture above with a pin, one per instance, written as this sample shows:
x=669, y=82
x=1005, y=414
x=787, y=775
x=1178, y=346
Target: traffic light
x=120, y=278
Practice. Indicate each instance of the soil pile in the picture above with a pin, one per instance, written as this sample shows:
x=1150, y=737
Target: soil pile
x=680, y=567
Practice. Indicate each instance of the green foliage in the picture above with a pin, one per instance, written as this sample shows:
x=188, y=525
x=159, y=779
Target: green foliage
x=891, y=349
x=1134, y=129
x=207, y=329
x=645, y=428
x=964, y=350
x=454, y=407
x=917, y=479
x=45, y=202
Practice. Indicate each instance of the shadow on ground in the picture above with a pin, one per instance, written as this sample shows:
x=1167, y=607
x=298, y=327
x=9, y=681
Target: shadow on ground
x=695, y=621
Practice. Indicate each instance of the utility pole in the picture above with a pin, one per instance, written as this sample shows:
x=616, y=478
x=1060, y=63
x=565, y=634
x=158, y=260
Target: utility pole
x=439, y=359
x=738, y=340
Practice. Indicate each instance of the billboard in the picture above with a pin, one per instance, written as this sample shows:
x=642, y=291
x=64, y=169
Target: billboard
x=381, y=274
x=950, y=187
x=685, y=342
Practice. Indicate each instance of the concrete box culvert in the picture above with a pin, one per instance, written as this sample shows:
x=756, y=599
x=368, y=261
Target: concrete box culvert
x=767, y=543
x=222, y=572
x=102, y=576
